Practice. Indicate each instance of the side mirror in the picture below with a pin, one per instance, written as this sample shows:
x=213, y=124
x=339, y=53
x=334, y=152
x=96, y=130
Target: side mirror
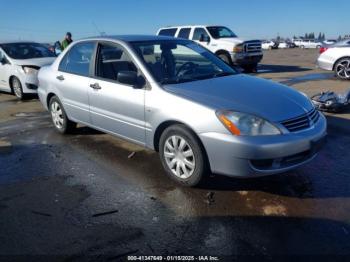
x=131, y=78
x=204, y=38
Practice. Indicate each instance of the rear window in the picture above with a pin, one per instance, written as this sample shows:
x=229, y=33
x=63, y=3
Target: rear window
x=184, y=33
x=168, y=32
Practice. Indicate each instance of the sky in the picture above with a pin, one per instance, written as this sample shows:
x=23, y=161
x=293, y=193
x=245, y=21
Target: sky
x=48, y=21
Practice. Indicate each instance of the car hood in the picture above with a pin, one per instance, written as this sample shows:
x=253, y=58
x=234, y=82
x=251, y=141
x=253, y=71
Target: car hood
x=243, y=93
x=231, y=40
x=34, y=61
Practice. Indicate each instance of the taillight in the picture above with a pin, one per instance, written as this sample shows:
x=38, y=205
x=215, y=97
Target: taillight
x=323, y=49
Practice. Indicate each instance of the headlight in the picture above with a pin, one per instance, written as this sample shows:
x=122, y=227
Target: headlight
x=238, y=49
x=30, y=70
x=246, y=125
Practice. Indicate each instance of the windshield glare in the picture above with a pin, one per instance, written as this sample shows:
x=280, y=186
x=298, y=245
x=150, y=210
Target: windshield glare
x=220, y=32
x=172, y=62
x=26, y=50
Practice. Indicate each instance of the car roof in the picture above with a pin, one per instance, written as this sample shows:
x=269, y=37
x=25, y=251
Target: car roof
x=131, y=38
x=15, y=42
x=344, y=42
x=177, y=26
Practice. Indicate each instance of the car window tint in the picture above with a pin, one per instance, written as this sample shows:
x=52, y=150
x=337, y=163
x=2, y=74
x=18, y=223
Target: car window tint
x=198, y=32
x=77, y=60
x=111, y=60
x=168, y=32
x=184, y=33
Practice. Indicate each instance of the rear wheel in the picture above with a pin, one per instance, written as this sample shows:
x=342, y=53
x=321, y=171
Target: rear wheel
x=182, y=156
x=342, y=68
x=59, y=117
x=17, y=88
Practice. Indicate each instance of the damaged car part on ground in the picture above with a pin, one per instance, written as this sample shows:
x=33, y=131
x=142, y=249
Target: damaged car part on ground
x=175, y=97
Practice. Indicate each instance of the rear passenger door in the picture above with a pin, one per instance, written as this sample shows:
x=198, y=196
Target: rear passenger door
x=115, y=107
x=72, y=81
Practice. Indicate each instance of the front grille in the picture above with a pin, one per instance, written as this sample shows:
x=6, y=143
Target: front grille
x=301, y=122
x=252, y=47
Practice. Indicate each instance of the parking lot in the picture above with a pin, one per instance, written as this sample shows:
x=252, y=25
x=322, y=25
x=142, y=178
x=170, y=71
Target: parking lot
x=91, y=194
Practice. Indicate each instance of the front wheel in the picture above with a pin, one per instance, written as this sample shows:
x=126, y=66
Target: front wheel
x=250, y=68
x=342, y=68
x=226, y=58
x=17, y=88
x=182, y=156
x=59, y=117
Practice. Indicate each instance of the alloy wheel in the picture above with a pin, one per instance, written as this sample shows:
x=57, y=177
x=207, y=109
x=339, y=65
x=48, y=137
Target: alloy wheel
x=17, y=89
x=179, y=156
x=57, y=115
x=343, y=69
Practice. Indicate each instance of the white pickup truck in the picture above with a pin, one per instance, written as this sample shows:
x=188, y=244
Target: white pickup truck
x=221, y=41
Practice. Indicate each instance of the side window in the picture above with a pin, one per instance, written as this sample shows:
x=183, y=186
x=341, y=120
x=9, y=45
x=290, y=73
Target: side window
x=168, y=32
x=198, y=32
x=77, y=60
x=111, y=60
x=184, y=33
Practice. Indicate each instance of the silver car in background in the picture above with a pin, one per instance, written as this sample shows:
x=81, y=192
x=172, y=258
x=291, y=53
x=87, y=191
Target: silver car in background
x=176, y=97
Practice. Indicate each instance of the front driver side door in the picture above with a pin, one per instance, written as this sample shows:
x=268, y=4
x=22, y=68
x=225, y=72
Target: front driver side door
x=115, y=107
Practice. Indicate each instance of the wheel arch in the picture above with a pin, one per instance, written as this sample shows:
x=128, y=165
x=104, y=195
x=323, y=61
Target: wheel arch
x=338, y=61
x=160, y=129
x=48, y=98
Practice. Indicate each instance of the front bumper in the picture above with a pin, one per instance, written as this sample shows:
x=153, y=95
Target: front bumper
x=243, y=59
x=240, y=156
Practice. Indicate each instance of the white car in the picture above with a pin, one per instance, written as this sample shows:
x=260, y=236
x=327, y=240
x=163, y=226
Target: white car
x=267, y=44
x=221, y=41
x=297, y=41
x=311, y=43
x=19, y=66
x=337, y=59
x=283, y=45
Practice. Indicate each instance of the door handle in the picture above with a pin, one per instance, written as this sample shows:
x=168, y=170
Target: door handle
x=95, y=86
x=60, y=77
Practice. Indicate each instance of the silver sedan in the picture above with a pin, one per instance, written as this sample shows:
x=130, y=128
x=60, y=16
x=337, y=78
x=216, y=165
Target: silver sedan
x=177, y=98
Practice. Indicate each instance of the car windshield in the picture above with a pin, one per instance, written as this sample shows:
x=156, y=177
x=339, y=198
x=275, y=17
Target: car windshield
x=175, y=61
x=220, y=32
x=27, y=50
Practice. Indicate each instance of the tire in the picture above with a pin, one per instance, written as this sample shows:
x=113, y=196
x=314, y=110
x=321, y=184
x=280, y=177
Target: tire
x=342, y=68
x=182, y=156
x=318, y=47
x=250, y=68
x=17, y=89
x=226, y=58
x=59, y=117
x=302, y=47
